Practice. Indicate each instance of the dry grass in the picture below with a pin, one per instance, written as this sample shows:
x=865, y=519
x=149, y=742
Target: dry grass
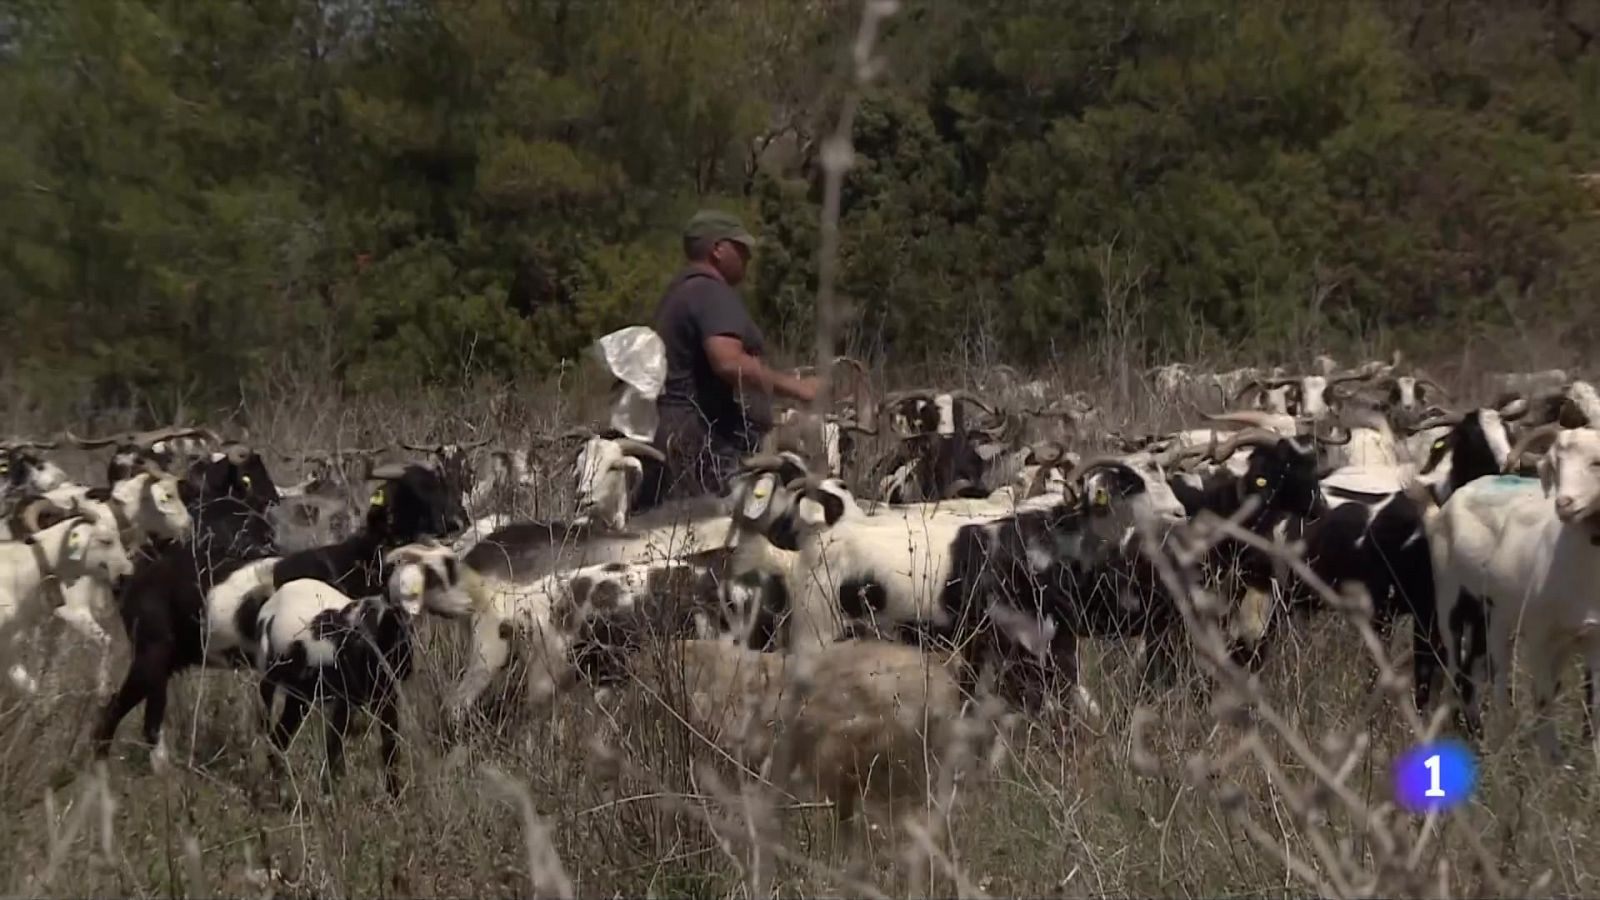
x=569, y=803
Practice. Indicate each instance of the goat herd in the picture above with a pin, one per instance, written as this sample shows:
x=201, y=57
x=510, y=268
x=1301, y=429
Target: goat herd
x=986, y=550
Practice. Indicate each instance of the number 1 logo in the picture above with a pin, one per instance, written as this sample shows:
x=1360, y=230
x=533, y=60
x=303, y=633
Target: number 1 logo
x=1434, y=777
x=1433, y=790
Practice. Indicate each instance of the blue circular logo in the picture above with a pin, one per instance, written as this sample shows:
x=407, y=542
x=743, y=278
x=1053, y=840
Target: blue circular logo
x=1435, y=777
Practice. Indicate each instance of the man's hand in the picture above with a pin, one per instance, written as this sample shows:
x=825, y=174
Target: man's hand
x=804, y=389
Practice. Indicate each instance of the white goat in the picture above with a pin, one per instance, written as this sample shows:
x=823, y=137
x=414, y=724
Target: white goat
x=145, y=506
x=608, y=471
x=81, y=546
x=1537, y=562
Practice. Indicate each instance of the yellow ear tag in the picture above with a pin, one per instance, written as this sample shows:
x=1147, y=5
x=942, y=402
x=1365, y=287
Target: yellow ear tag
x=75, y=546
x=761, y=490
x=1101, y=498
x=1261, y=482
x=244, y=480
x=1438, y=445
x=377, y=497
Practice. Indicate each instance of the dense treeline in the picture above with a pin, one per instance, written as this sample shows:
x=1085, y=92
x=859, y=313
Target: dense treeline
x=399, y=190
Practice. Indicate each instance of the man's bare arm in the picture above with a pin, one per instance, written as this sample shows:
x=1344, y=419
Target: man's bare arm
x=740, y=369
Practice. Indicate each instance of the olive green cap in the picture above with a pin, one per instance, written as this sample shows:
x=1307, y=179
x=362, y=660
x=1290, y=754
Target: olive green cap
x=711, y=224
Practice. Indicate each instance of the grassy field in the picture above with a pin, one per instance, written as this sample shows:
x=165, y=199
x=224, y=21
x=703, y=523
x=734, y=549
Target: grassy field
x=580, y=802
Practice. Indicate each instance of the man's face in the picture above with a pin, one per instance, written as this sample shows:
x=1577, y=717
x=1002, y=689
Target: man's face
x=730, y=258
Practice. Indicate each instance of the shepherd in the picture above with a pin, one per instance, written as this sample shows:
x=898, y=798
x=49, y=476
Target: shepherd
x=717, y=401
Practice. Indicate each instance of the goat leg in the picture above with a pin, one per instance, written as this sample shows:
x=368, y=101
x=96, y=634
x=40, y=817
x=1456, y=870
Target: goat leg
x=389, y=728
x=337, y=725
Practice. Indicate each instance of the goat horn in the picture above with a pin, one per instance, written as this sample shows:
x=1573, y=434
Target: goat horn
x=388, y=471
x=15, y=444
x=421, y=448
x=94, y=443
x=1251, y=387
x=762, y=462
x=147, y=439
x=1103, y=461
x=639, y=448
x=1245, y=418
x=969, y=397
x=1324, y=433
x=1177, y=455
x=1450, y=418
x=1525, y=444
x=1046, y=452
x=1434, y=386
x=1249, y=437
x=32, y=510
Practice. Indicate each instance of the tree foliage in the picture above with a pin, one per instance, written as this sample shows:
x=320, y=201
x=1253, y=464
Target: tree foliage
x=404, y=191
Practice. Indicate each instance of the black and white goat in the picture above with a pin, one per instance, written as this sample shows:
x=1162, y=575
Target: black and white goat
x=544, y=615
x=944, y=576
x=940, y=454
x=1375, y=539
x=23, y=472
x=317, y=645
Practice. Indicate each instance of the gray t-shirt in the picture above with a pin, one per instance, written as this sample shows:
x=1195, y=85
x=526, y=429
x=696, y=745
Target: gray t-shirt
x=696, y=306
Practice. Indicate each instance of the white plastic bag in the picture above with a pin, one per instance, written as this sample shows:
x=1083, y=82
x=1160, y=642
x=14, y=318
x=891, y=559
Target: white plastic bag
x=635, y=356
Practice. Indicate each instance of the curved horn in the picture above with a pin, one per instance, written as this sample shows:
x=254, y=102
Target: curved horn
x=1360, y=373
x=147, y=439
x=1250, y=437
x=1448, y=418
x=1323, y=433
x=387, y=471
x=961, y=395
x=16, y=444
x=1526, y=444
x=32, y=510
x=421, y=448
x=762, y=462
x=1046, y=452
x=1246, y=418
x=1178, y=455
x=639, y=448
x=95, y=443
x=1102, y=461
x=1434, y=386
x=1251, y=387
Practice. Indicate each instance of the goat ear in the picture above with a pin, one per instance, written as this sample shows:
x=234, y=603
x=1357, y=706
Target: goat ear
x=1547, y=475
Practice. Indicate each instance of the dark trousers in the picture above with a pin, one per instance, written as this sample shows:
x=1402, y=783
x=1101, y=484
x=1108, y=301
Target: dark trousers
x=700, y=459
